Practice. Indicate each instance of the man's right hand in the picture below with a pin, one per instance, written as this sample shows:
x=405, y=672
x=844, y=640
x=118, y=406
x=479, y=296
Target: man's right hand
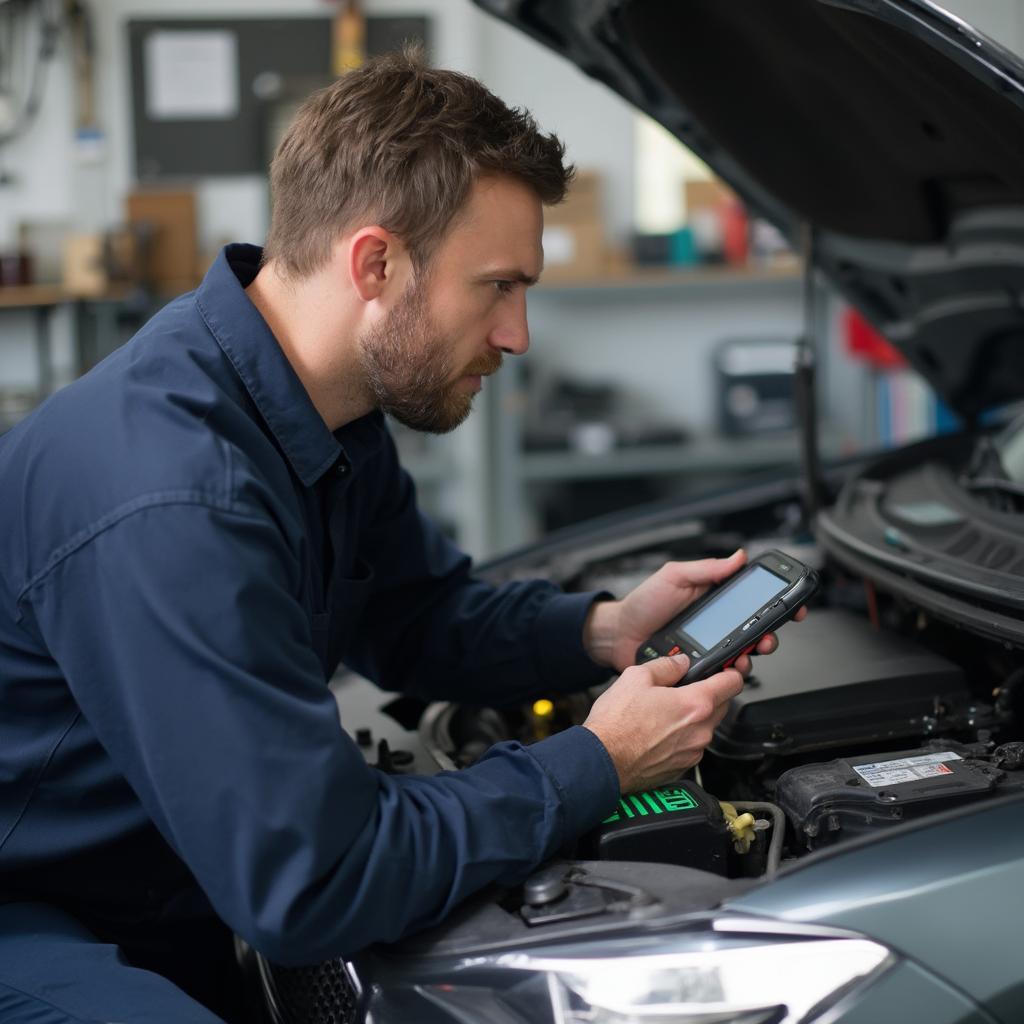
x=653, y=731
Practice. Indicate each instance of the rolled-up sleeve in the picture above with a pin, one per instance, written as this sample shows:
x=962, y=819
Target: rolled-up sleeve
x=179, y=632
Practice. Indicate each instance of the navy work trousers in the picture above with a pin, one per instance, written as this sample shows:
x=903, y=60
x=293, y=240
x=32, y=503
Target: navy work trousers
x=53, y=970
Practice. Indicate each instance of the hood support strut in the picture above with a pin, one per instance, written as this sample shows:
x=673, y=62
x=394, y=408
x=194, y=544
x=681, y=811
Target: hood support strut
x=806, y=358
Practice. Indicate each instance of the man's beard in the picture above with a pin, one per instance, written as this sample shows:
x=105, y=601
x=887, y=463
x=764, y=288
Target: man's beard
x=408, y=366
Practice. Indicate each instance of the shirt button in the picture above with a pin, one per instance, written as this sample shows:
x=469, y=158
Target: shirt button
x=341, y=468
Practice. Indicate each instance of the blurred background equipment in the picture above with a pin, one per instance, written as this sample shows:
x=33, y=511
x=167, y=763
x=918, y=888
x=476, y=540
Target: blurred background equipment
x=755, y=386
x=348, y=41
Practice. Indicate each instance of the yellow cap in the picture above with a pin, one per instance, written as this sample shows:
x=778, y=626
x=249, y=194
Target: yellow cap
x=543, y=708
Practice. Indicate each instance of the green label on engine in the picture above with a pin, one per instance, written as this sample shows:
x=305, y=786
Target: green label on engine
x=652, y=802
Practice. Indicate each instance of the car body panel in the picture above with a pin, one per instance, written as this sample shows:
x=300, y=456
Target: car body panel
x=948, y=892
x=910, y=994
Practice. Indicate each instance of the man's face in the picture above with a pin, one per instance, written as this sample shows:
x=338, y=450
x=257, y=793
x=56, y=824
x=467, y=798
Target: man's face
x=425, y=359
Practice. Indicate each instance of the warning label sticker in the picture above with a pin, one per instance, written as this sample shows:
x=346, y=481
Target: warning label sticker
x=906, y=769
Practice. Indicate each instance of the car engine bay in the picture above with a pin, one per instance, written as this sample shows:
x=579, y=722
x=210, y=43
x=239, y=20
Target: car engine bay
x=880, y=709
x=889, y=708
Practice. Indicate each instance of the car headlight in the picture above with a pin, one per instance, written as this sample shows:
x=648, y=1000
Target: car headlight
x=742, y=985
x=731, y=980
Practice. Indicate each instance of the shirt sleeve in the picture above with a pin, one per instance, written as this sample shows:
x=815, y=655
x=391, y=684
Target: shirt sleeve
x=433, y=629
x=179, y=635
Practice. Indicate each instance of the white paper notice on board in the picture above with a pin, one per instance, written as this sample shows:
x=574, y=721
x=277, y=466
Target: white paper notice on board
x=191, y=75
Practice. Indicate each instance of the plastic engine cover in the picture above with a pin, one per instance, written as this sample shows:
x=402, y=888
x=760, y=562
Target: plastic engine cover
x=836, y=681
x=855, y=795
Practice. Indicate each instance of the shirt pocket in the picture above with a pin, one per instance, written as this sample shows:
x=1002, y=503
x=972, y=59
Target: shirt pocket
x=335, y=628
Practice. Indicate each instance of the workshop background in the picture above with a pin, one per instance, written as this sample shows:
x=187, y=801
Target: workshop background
x=134, y=141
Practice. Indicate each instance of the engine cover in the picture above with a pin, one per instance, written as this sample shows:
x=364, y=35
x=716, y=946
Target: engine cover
x=836, y=681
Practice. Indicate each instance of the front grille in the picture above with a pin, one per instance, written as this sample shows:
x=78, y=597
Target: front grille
x=323, y=994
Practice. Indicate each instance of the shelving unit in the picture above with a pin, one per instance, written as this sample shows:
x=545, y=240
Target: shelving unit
x=702, y=455
x=635, y=281
x=667, y=320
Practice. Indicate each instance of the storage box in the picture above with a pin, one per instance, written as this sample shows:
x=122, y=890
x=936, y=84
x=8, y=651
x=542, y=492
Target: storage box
x=575, y=241
x=84, y=273
x=583, y=201
x=710, y=194
x=718, y=221
x=172, y=253
x=574, y=251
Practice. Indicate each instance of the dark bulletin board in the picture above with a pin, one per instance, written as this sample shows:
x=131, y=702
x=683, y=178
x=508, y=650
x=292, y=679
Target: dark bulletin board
x=296, y=49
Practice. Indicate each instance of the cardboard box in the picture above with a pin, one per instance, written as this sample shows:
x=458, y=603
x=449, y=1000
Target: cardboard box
x=582, y=203
x=711, y=194
x=574, y=251
x=171, y=264
x=84, y=273
x=575, y=240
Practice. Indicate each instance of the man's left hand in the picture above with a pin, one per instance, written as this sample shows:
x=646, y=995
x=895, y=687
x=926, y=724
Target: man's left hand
x=615, y=629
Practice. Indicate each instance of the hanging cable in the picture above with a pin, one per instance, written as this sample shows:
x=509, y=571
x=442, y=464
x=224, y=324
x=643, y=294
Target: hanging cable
x=48, y=32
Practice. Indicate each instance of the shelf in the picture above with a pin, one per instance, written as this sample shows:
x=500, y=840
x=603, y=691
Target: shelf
x=701, y=455
x=42, y=296
x=663, y=279
x=31, y=296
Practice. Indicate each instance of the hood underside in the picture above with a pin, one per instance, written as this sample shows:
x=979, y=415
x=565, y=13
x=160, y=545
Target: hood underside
x=890, y=129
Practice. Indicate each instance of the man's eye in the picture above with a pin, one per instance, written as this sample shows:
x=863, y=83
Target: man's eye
x=504, y=287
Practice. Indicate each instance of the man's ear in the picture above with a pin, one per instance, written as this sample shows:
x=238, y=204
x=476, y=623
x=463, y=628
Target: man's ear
x=375, y=261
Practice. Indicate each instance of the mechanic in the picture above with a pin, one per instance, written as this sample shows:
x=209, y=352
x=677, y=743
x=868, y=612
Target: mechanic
x=200, y=530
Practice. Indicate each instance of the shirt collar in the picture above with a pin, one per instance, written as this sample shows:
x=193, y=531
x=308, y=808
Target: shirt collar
x=276, y=390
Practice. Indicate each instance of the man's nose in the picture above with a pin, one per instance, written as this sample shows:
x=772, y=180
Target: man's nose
x=512, y=333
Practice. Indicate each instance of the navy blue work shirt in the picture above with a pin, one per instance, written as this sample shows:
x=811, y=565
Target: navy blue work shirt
x=186, y=555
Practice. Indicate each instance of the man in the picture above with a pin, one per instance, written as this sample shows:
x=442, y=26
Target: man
x=195, y=535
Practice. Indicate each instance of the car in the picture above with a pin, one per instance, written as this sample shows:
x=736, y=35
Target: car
x=867, y=864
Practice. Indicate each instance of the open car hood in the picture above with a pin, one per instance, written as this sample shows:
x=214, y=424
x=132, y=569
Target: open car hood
x=889, y=128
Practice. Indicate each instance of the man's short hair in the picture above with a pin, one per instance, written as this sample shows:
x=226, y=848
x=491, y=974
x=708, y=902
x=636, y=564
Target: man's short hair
x=398, y=143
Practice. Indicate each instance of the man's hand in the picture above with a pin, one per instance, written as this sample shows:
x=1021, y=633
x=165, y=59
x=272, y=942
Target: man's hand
x=653, y=731
x=615, y=629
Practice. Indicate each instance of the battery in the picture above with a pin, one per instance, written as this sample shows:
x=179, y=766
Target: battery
x=857, y=795
x=678, y=824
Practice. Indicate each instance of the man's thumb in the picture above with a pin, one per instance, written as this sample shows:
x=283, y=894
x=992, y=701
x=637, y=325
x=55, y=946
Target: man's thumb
x=668, y=671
